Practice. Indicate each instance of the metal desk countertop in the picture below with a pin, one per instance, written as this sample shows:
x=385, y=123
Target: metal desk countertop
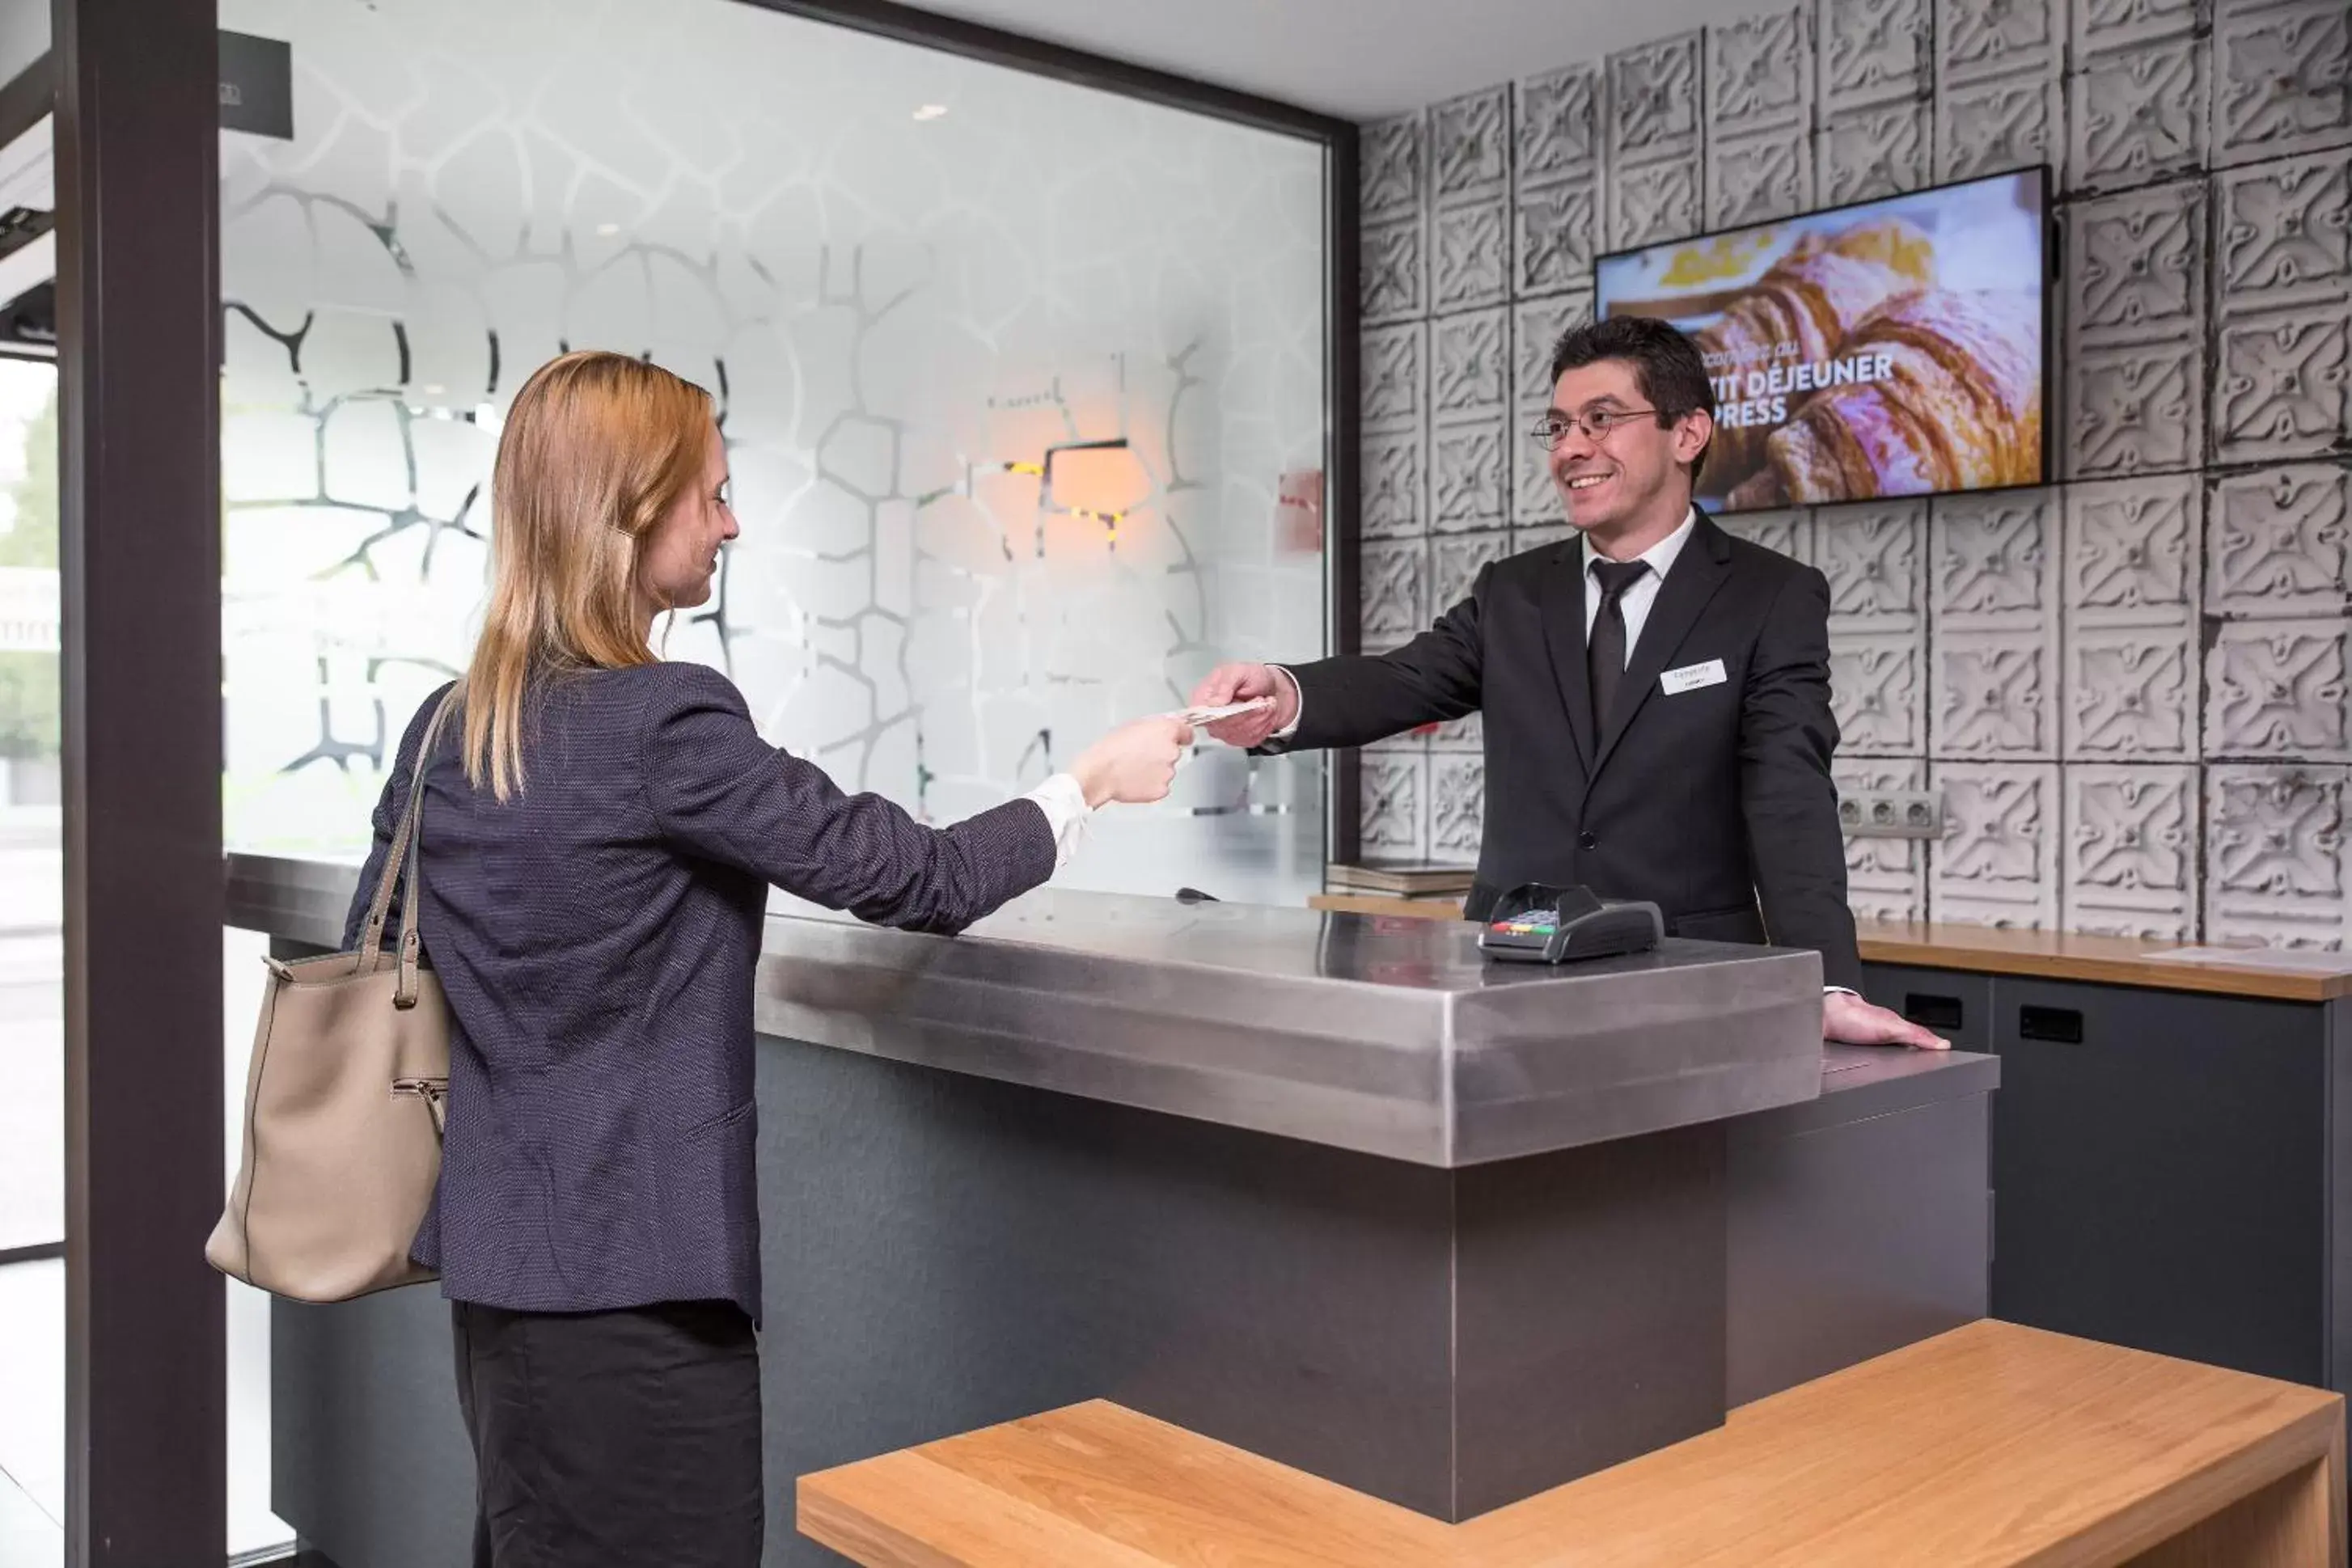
x=1389, y=1037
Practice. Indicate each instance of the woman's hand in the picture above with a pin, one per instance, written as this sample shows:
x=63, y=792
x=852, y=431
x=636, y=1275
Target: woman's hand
x=1133, y=765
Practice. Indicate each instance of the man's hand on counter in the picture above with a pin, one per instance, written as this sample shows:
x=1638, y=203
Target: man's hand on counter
x=1847, y=1019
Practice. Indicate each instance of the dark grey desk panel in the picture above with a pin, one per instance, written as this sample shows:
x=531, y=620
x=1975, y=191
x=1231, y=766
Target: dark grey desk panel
x=1861, y=1222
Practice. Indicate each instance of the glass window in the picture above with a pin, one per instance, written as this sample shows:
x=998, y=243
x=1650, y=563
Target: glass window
x=32, y=978
x=1021, y=382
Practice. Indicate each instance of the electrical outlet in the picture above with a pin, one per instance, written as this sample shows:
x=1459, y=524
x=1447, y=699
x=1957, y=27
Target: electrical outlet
x=1892, y=814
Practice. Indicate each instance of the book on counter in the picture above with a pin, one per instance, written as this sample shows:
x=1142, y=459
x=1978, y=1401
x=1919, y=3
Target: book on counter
x=1399, y=878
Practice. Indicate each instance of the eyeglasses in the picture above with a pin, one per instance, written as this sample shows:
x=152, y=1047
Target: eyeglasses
x=1552, y=429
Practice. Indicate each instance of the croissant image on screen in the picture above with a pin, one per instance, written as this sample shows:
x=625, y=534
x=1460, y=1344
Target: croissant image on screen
x=1895, y=346
x=1811, y=298
x=1959, y=407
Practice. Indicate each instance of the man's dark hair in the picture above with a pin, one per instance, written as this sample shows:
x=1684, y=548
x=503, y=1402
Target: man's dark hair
x=1666, y=364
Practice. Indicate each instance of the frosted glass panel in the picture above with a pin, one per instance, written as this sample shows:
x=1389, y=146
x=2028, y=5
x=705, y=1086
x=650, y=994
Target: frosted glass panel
x=1022, y=385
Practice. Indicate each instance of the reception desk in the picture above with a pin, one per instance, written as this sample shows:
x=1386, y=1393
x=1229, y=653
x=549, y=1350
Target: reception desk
x=1325, y=1188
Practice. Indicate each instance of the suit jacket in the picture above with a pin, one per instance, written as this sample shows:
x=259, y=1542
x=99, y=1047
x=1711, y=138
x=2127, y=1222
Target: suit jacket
x=596, y=938
x=1715, y=803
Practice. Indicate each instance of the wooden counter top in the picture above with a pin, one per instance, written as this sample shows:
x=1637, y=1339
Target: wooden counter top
x=1989, y=1447
x=2036, y=954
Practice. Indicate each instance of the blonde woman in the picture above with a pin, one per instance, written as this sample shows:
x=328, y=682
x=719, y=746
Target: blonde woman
x=599, y=834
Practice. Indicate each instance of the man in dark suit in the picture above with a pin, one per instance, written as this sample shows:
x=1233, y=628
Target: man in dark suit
x=1655, y=691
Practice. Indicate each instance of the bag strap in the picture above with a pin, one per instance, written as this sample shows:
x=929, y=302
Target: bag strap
x=401, y=865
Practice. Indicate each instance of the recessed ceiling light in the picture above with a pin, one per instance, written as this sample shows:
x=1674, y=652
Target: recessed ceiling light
x=434, y=388
x=930, y=111
x=607, y=231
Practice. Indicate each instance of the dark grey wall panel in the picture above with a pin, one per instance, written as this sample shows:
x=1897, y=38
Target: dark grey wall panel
x=2162, y=1183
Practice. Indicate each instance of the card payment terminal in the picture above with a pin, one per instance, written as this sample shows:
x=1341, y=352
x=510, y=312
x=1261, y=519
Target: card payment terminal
x=1538, y=923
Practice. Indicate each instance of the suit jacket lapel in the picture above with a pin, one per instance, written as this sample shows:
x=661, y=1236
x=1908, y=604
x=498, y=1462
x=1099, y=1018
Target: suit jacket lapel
x=1564, y=632
x=1697, y=573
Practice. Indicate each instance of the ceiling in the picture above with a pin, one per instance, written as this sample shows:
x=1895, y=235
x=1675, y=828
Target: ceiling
x=1360, y=59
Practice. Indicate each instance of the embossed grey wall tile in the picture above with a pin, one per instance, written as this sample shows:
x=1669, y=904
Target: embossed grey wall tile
x=1394, y=815
x=1541, y=536
x=1470, y=146
x=1554, y=234
x=1654, y=108
x=1534, y=502
x=1395, y=503
x=1394, y=373
x=2130, y=687
x=1395, y=265
x=1654, y=201
x=1395, y=577
x=2277, y=542
x=1872, y=51
x=1874, y=556
x=2137, y=262
x=2282, y=326
x=2282, y=385
x=1791, y=532
x=1991, y=127
x=1993, y=614
x=2276, y=689
x=2137, y=116
x=2130, y=692
x=2275, y=855
x=2283, y=80
x=1874, y=902
x=1976, y=39
x=1457, y=807
x=1556, y=122
x=2133, y=408
x=1760, y=72
x=1410, y=743
x=1886, y=879
x=1878, y=692
x=2285, y=236
x=1994, y=561
x=2136, y=364
x=1471, y=256
x=1392, y=154
x=1536, y=325
x=1470, y=364
x=2102, y=27
x=1536, y=329
x=2132, y=549
x=1881, y=150
x=1456, y=560
x=1470, y=470
x=1992, y=696
x=1997, y=863
x=1756, y=178
x=2130, y=851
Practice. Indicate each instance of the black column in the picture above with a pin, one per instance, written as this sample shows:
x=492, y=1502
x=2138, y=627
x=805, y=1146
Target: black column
x=138, y=306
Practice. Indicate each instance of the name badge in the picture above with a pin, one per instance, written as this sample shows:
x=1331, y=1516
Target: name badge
x=1690, y=677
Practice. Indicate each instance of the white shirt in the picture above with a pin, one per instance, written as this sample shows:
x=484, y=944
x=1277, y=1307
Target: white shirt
x=1634, y=602
x=1066, y=811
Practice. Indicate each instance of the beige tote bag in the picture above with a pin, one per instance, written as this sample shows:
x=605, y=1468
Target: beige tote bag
x=343, y=1103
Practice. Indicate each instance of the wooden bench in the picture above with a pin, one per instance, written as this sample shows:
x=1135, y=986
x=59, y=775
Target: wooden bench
x=1991, y=1445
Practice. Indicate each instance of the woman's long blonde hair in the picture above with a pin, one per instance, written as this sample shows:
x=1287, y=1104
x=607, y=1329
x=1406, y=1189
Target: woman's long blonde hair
x=597, y=448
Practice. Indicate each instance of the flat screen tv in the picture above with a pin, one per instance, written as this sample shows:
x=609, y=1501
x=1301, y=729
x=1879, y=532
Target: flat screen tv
x=1898, y=347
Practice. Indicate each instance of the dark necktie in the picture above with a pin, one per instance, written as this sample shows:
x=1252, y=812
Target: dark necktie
x=1605, y=649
